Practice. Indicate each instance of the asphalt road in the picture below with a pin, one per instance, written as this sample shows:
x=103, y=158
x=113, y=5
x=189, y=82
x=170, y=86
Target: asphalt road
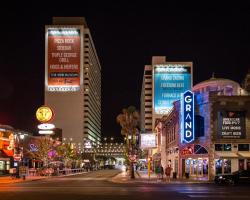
x=97, y=185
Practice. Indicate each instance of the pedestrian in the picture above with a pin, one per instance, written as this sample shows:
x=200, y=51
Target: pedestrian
x=168, y=173
x=158, y=171
x=162, y=171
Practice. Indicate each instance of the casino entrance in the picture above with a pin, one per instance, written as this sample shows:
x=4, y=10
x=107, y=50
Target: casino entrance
x=195, y=167
x=194, y=160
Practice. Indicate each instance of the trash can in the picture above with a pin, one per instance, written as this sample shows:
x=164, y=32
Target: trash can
x=174, y=175
x=187, y=175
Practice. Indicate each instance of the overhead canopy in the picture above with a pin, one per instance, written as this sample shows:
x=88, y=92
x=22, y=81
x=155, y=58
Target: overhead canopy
x=244, y=154
x=226, y=155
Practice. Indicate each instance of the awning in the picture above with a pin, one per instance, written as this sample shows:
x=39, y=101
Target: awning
x=244, y=154
x=226, y=155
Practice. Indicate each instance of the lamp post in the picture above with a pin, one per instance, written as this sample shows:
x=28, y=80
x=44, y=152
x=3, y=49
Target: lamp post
x=19, y=152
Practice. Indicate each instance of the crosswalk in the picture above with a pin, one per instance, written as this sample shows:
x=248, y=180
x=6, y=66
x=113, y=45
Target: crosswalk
x=215, y=193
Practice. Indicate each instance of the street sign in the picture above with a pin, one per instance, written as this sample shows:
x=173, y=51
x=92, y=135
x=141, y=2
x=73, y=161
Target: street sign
x=22, y=170
x=132, y=158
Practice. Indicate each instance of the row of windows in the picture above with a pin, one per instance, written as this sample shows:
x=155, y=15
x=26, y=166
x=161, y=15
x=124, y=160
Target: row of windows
x=170, y=136
x=148, y=72
x=96, y=113
x=228, y=147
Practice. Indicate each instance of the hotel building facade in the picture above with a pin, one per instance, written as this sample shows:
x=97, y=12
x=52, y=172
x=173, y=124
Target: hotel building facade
x=73, y=79
x=163, y=83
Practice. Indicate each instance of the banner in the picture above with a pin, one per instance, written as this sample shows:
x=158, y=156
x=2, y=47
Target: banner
x=64, y=45
x=231, y=125
x=170, y=81
x=148, y=141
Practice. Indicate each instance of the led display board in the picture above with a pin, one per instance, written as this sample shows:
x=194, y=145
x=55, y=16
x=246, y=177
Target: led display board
x=187, y=113
x=63, y=59
x=231, y=125
x=170, y=81
x=148, y=141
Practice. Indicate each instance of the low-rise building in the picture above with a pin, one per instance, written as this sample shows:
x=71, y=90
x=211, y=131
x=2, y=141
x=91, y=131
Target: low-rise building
x=221, y=127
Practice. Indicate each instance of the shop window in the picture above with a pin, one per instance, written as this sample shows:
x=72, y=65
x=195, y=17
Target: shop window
x=7, y=165
x=227, y=147
x=227, y=166
x=248, y=164
x=218, y=166
x=222, y=166
x=223, y=147
x=218, y=147
x=243, y=147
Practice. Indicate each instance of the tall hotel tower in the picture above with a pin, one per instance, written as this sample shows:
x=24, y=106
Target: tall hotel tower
x=163, y=84
x=73, y=79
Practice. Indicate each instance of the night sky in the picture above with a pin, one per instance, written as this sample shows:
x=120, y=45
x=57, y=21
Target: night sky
x=216, y=37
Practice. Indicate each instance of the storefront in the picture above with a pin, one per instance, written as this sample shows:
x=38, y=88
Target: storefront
x=6, y=150
x=194, y=161
x=220, y=139
x=4, y=165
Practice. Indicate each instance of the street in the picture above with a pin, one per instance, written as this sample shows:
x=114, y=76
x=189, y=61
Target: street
x=98, y=185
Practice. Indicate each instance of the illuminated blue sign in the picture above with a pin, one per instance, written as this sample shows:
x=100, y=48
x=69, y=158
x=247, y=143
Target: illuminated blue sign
x=170, y=81
x=187, y=104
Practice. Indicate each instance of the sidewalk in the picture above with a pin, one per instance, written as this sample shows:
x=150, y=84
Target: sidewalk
x=142, y=177
x=9, y=179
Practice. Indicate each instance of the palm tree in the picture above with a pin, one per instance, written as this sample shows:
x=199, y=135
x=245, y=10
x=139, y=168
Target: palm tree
x=129, y=121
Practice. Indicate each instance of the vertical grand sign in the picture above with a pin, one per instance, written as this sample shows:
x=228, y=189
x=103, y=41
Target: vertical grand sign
x=231, y=125
x=187, y=122
x=170, y=81
x=63, y=59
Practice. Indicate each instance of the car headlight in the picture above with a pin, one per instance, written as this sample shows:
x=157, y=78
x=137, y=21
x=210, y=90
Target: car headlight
x=220, y=177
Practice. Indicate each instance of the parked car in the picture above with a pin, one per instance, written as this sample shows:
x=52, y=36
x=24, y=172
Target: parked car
x=241, y=176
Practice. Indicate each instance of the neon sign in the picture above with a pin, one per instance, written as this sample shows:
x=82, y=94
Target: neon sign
x=187, y=117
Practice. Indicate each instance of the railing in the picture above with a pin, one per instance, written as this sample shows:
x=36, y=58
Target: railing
x=52, y=172
x=70, y=171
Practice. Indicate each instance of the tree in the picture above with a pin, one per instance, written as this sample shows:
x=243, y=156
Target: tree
x=129, y=121
x=45, y=150
x=67, y=153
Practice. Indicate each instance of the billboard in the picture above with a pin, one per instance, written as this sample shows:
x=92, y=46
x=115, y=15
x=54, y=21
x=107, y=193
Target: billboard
x=231, y=125
x=63, y=59
x=148, y=141
x=170, y=81
x=187, y=116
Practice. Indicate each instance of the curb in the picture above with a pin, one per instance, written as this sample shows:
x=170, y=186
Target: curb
x=126, y=179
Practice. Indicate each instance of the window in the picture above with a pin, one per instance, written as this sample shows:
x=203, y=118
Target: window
x=218, y=147
x=223, y=147
x=148, y=72
x=227, y=147
x=223, y=166
x=243, y=147
x=218, y=166
x=227, y=166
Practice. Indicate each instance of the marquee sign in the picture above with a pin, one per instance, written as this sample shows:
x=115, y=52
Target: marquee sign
x=187, y=117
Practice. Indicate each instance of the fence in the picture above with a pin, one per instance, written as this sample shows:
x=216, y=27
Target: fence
x=52, y=172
